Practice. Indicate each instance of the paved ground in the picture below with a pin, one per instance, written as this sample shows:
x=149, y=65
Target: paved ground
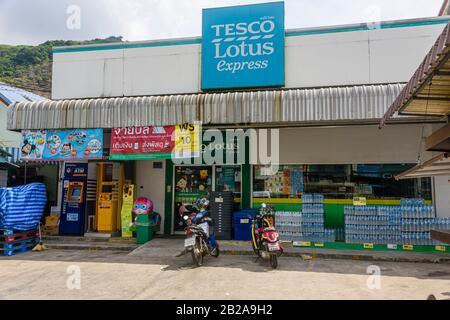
x=152, y=272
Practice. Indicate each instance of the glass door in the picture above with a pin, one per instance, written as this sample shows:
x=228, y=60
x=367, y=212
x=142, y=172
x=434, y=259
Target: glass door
x=191, y=182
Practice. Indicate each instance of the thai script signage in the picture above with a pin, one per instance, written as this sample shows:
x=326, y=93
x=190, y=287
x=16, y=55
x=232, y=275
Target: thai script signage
x=154, y=143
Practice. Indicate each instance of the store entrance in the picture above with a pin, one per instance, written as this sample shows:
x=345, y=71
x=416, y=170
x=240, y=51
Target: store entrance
x=193, y=182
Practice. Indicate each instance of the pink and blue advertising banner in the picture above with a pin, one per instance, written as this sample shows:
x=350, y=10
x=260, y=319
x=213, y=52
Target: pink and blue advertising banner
x=61, y=145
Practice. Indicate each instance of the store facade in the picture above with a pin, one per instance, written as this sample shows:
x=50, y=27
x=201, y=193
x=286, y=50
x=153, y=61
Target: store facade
x=320, y=91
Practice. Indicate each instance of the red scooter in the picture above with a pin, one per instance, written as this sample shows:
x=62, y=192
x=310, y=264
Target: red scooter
x=265, y=238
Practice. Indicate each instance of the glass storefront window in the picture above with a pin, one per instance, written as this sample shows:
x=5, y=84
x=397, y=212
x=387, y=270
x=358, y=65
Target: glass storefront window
x=286, y=183
x=339, y=182
x=228, y=178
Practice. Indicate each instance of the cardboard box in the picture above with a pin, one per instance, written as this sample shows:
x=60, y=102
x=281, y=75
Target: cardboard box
x=50, y=231
x=51, y=221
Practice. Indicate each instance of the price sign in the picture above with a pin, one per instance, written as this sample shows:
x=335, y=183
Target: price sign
x=368, y=246
x=359, y=201
x=302, y=244
x=319, y=245
x=187, y=141
x=440, y=248
x=408, y=247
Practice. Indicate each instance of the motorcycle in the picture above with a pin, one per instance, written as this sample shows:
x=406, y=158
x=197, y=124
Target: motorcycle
x=265, y=238
x=200, y=240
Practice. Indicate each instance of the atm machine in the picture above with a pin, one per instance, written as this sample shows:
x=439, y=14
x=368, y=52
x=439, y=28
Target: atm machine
x=107, y=206
x=73, y=210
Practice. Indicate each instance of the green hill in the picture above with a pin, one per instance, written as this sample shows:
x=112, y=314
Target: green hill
x=30, y=67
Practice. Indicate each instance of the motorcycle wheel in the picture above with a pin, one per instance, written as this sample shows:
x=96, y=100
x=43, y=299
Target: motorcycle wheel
x=215, y=252
x=196, y=253
x=273, y=261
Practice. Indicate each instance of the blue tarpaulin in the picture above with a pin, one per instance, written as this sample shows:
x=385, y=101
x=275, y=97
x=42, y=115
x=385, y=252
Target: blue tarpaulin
x=22, y=208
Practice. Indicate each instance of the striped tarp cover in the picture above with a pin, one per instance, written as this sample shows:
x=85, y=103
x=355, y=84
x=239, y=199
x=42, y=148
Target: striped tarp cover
x=21, y=208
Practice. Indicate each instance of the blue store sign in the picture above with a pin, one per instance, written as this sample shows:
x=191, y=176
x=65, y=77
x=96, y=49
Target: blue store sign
x=243, y=46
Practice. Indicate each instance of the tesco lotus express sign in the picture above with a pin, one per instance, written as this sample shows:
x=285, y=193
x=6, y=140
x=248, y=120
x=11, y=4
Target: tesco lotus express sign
x=243, y=46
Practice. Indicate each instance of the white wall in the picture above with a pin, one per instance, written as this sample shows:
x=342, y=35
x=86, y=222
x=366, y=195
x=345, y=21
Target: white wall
x=442, y=196
x=150, y=183
x=329, y=59
x=7, y=138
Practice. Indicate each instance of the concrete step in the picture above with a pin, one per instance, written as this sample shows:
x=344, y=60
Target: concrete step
x=89, y=245
x=88, y=239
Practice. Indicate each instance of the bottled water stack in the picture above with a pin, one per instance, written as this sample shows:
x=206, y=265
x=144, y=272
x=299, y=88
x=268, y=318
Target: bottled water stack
x=313, y=223
x=307, y=225
x=408, y=224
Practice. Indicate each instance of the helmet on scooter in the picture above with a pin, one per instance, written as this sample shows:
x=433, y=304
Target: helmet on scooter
x=202, y=203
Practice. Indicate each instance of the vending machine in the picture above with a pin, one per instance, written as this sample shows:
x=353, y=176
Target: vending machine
x=73, y=210
x=107, y=207
x=127, y=208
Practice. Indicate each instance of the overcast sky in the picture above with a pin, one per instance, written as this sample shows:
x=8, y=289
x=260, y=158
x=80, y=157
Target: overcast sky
x=35, y=21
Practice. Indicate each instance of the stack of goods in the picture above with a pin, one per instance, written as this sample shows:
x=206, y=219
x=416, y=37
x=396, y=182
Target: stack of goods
x=418, y=219
x=371, y=224
x=288, y=225
x=409, y=224
x=221, y=211
x=306, y=226
x=313, y=220
x=22, y=208
x=12, y=243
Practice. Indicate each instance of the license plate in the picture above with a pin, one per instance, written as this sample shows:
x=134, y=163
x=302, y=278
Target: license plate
x=274, y=246
x=189, y=242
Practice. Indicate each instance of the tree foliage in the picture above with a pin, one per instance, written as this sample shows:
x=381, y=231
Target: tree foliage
x=30, y=67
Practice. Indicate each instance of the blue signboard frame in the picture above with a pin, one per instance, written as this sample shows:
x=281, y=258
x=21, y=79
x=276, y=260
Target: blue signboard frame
x=243, y=47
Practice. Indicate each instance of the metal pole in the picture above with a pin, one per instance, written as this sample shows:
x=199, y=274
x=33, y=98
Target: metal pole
x=25, y=174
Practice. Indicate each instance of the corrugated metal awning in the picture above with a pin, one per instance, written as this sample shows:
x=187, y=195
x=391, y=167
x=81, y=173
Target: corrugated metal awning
x=438, y=166
x=428, y=91
x=258, y=107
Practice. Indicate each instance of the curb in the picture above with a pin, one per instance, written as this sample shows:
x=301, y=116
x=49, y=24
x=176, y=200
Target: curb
x=315, y=255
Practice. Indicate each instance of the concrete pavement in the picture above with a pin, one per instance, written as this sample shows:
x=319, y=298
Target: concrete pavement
x=153, y=272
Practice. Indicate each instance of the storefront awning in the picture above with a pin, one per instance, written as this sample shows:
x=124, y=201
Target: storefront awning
x=325, y=105
x=438, y=166
x=7, y=165
x=428, y=91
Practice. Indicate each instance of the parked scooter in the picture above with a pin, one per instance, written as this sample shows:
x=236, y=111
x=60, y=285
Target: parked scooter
x=265, y=238
x=200, y=240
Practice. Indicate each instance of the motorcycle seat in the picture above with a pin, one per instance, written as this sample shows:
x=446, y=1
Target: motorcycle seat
x=269, y=230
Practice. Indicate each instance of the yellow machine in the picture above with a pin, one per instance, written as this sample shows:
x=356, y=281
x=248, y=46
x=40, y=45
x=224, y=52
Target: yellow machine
x=107, y=207
x=127, y=208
